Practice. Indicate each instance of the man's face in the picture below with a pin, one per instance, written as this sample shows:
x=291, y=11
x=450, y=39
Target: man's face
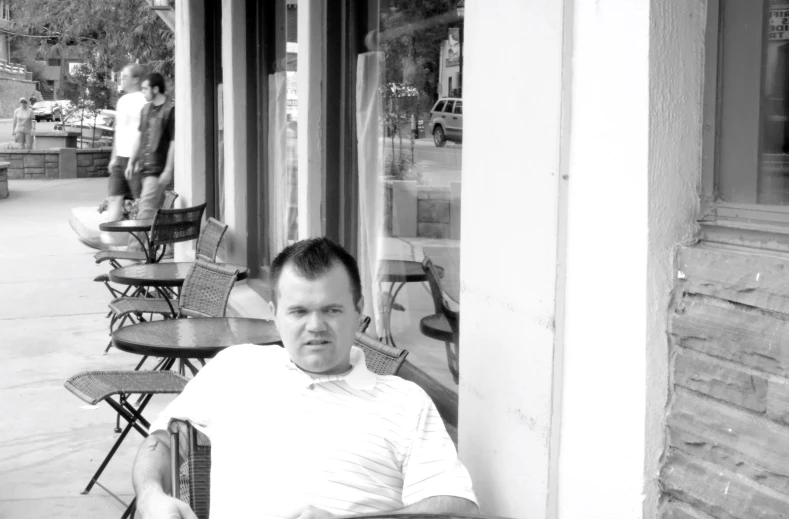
x=147, y=91
x=317, y=319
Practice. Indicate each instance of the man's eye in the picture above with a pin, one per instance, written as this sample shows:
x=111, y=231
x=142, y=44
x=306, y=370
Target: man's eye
x=298, y=312
x=335, y=311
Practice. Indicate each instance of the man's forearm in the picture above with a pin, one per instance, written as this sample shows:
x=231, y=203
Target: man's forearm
x=440, y=505
x=169, y=166
x=152, y=465
x=135, y=149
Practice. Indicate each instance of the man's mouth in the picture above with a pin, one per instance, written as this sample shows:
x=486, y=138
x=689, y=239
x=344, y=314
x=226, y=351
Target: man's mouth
x=317, y=342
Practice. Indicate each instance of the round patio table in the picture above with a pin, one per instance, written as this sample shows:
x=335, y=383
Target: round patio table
x=397, y=273
x=132, y=227
x=198, y=338
x=162, y=274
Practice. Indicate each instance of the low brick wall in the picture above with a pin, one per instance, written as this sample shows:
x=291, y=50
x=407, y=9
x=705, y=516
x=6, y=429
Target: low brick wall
x=54, y=164
x=4, y=179
x=436, y=210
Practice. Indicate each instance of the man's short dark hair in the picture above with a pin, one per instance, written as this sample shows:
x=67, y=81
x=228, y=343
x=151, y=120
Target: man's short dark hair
x=313, y=258
x=155, y=79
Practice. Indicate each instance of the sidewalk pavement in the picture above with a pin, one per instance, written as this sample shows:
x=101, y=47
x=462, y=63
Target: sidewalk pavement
x=52, y=326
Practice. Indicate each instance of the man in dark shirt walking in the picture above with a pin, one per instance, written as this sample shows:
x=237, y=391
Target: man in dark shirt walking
x=153, y=150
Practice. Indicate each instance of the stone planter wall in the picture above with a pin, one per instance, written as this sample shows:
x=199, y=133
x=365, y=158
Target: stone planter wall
x=411, y=210
x=4, y=179
x=58, y=163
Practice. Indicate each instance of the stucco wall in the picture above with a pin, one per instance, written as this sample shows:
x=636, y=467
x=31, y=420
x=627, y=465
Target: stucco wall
x=676, y=75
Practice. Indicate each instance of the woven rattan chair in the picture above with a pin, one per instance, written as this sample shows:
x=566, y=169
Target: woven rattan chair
x=169, y=226
x=205, y=293
x=444, y=324
x=114, y=256
x=210, y=237
x=93, y=387
x=190, y=450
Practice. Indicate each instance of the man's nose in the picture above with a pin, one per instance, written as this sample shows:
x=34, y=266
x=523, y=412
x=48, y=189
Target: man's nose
x=316, y=323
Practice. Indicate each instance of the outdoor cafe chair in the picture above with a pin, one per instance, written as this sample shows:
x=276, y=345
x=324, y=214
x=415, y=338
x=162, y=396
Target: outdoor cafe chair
x=210, y=237
x=444, y=324
x=190, y=450
x=93, y=387
x=114, y=256
x=205, y=293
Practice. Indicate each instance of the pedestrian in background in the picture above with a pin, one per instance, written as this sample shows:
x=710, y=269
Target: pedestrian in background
x=24, y=125
x=154, y=147
x=127, y=131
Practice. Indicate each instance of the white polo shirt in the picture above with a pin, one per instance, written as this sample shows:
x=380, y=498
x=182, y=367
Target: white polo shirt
x=349, y=444
x=127, y=122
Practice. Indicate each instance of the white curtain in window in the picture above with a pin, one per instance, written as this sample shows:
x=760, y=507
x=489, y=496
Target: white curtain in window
x=279, y=183
x=368, y=100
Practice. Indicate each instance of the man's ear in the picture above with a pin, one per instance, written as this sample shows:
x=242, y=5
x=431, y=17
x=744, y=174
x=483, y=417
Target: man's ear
x=360, y=305
x=272, y=307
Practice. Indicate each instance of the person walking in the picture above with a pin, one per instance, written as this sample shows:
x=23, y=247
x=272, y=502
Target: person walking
x=24, y=125
x=154, y=147
x=127, y=130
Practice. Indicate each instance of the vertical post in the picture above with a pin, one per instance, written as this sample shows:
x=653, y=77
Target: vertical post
x=190, y=92
x=312, y=129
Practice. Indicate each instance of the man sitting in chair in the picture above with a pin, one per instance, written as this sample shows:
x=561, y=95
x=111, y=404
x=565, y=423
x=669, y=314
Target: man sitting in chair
x=307, y=431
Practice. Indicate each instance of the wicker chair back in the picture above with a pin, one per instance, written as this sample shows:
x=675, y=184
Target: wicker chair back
x=210, y=237
x=169, y=200
x=206, y=290
x=176, y=225
x=190, y=450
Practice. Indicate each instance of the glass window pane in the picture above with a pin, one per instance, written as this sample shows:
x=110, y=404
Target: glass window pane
x=459, y=107
x=414, y=154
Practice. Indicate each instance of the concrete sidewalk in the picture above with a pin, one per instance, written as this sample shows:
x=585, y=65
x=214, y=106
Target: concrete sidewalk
x=52, y=326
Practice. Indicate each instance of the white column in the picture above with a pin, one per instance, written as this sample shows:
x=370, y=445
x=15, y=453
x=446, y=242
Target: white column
x=603, y=434
x=311, y=132
x=234, y=73
x=190, y=92
x=512, y=198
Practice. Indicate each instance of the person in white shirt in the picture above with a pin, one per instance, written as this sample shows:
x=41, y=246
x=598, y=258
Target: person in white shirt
x=308, y=432
x=127, y=123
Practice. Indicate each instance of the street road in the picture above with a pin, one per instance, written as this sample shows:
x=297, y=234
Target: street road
x=438, y=166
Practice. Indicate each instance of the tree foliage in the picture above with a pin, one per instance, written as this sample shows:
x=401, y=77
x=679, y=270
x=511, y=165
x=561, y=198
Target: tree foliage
x=105, y=34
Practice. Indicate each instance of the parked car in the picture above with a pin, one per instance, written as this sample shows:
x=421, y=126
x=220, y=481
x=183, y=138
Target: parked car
x=48, y=111
x=446, y=121
x=97, y=130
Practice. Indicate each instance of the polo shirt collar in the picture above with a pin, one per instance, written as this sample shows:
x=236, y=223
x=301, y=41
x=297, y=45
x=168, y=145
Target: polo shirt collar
x=359, y=377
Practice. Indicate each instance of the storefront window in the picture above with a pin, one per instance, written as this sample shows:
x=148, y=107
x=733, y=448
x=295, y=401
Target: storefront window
x=752, y=146
x=283, y=129
x=410, y=128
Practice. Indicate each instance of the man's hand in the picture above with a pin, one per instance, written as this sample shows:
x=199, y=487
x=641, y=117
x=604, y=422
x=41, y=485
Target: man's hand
x=165, y=178
x=129, y=170
x=158, y=505
x=309, y=512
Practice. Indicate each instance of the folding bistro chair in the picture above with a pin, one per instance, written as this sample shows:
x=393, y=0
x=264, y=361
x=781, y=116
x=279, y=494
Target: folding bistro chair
x=93, y=387
x=444, y=324
x=205, y=293
x=210, y=237
x=190, y=450
x=114, y=256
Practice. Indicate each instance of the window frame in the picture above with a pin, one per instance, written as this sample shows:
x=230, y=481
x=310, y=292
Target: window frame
x=757, y=225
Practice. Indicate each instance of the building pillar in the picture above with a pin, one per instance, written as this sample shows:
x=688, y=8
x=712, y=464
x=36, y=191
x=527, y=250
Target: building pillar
x=510, y=251
x=234, y=74
x=190, y=92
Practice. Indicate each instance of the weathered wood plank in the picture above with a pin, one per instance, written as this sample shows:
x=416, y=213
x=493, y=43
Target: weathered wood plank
x=721, y=379
x=671, y=509
x=747, y=444
x=719, y=492
x=750, y=277
x=734, y=332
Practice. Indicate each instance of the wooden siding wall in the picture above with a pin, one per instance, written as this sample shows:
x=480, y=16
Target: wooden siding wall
x=728, y=423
